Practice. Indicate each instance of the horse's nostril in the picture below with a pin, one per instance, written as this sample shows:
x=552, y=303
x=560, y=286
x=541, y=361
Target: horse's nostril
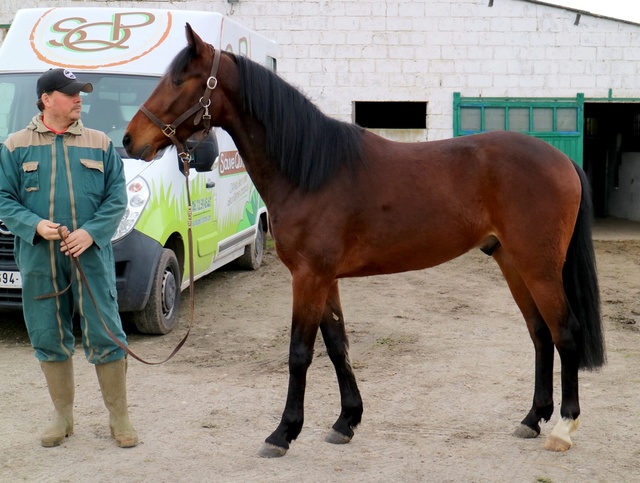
x=126, y=141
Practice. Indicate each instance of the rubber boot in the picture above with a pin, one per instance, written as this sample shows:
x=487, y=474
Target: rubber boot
x=59, y=376
x=112, y=378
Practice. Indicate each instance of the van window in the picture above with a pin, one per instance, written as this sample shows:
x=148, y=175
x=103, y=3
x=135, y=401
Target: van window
x=17, y=102
x=7, y=92
x=109, y=108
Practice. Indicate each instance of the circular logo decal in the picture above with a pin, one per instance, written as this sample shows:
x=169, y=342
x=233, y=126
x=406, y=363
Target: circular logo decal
x=95, y=39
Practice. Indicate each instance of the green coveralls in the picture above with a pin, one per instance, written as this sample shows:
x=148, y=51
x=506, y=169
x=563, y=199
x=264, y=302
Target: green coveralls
x=75, y=179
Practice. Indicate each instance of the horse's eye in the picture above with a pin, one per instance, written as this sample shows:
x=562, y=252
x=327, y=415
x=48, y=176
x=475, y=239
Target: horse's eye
x=177, y=82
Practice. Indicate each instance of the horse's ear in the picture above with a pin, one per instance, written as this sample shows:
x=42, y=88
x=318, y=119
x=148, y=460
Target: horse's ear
x=193, y=39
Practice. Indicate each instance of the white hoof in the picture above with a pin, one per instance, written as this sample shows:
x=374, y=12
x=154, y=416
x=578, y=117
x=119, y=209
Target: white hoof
x=559, y=439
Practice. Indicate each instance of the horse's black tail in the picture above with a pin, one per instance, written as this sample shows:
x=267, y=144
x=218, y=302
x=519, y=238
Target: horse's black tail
x=581, y=284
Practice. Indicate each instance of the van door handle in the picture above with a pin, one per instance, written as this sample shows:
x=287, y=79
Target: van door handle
x=210, y=184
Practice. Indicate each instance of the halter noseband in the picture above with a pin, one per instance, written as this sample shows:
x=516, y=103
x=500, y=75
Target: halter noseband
x=201, y=109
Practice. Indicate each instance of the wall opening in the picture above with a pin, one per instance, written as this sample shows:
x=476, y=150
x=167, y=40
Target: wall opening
x=391, y=115
x=612, y=157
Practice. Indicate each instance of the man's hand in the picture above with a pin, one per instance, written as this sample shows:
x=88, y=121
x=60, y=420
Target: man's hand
x=76, y=242
x=49, y=230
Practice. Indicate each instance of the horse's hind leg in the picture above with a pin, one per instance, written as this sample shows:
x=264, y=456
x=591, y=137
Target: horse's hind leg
x=563, y=326
x=335, y=339
x=545, y=285
x=542, y=407
x=563, y=334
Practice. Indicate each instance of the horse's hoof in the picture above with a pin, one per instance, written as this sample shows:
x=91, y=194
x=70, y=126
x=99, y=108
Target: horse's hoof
x=559, y=439
x=269, y=450
x=334, y=437
x=524, y=431
x=553, y=443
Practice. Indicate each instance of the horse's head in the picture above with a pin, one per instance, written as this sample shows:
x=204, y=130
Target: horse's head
x=183, y=92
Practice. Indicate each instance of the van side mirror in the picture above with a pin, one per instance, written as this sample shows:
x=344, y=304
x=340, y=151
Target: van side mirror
x=205, y=152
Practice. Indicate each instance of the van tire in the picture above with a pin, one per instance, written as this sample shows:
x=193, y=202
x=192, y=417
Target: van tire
x=161, y=312
x=251, y=259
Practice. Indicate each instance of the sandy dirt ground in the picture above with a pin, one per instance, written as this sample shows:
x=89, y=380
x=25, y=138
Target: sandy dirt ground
x=443, y=360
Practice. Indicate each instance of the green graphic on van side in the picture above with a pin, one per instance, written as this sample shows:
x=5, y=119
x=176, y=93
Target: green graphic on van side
x=162, y=213
x=251, y=208
x=166, y=215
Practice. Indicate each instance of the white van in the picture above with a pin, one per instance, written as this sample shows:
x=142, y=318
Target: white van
x=123, y=53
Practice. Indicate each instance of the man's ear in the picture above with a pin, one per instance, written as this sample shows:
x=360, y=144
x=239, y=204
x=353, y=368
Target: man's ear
x=46, y=99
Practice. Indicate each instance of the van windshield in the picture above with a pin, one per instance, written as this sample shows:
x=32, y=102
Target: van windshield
x=109, y=108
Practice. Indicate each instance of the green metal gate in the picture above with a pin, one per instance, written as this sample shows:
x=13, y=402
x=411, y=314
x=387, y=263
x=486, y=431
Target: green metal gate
x=558, y=121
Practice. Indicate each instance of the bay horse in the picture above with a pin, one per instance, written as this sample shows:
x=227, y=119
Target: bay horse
x=344, y=202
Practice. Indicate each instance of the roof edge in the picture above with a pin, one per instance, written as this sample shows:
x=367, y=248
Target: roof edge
x=583, y=12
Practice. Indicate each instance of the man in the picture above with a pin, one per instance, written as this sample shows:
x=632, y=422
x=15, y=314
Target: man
x=58, y=178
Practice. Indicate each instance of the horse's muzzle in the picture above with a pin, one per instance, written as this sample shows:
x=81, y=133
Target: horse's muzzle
x=144, y=153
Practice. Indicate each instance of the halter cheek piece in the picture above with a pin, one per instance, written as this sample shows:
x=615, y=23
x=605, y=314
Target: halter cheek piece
x=201, y=110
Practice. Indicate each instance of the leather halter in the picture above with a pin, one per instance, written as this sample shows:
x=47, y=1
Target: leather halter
x=200, y=109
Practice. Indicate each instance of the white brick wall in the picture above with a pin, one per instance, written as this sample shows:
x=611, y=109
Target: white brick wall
x=340, y=51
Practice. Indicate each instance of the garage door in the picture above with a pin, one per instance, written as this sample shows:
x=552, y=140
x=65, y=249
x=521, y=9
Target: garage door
x=558, y=121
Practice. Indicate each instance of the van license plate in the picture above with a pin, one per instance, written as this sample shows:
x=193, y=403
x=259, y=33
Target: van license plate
x=10, y=279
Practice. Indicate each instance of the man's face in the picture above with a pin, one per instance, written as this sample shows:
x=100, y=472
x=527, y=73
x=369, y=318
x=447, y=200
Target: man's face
x=65, y=108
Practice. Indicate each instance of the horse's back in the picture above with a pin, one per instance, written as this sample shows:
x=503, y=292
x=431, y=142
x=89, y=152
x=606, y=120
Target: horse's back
x=520, y=171
x=425, y=203
x=494, y=152
x=496, y=168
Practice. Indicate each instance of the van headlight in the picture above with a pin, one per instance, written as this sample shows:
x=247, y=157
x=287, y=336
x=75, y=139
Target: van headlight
x=137, y=198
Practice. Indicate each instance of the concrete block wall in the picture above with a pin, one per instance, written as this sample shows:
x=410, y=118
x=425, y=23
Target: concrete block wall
x=339, y=51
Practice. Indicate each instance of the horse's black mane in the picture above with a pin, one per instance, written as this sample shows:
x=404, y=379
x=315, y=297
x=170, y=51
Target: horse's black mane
x=309, y=146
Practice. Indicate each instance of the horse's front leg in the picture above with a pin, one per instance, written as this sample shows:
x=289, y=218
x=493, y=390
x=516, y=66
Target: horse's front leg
x=335, y=339
x=309, y=297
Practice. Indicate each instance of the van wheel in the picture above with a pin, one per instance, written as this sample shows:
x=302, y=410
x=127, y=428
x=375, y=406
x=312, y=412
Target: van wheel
x=161, y=312
x=251, y=259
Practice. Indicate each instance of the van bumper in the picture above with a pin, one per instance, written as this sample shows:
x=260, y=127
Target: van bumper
x=136, y=258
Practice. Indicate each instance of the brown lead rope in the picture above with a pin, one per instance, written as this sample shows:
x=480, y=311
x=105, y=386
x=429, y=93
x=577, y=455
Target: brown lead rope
x=201, y=112
x=75, y=263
